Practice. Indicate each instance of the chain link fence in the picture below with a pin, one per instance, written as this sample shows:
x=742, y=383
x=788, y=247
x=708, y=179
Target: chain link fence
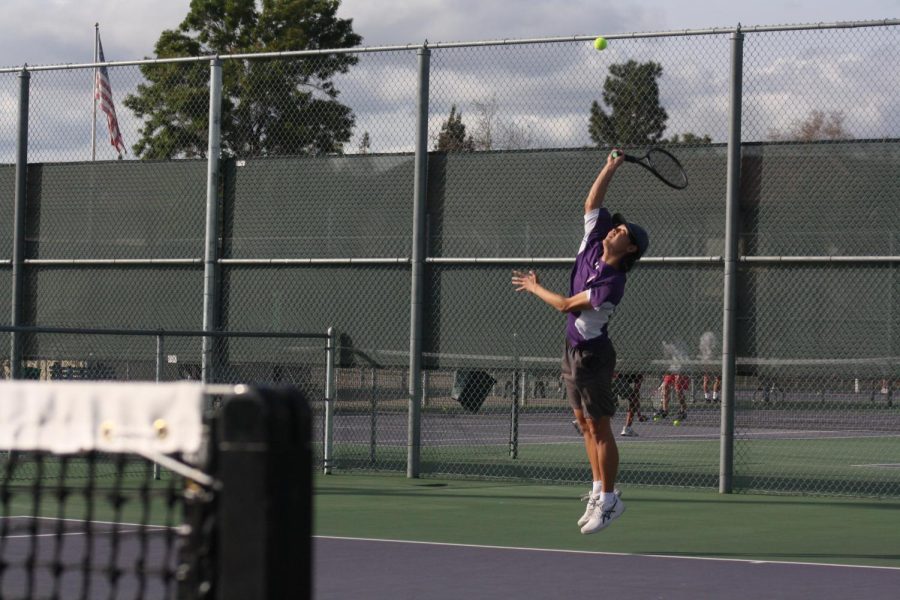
x=108, y=354
x=306, y=218
x=820, y=350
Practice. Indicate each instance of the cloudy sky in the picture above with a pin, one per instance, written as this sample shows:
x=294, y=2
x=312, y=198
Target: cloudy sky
x=541, y=93
x=55, y=31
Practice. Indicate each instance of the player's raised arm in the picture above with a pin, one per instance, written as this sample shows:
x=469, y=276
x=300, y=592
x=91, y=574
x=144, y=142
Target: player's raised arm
x=597, y=194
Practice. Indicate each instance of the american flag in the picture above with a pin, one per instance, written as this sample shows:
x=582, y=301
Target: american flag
x=103, y=93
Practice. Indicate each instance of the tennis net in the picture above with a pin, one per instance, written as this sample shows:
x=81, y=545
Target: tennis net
x=141, y=490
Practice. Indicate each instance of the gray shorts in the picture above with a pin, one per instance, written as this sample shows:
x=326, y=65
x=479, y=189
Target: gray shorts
x=588, y=373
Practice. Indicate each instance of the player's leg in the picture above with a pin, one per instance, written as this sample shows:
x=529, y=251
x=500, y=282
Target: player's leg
x=717, y=387
x=593, y=497
x=590, y=446
x=607, y=451
x=593, y=385
x=634, y=408
x=681, y=386
x=667, y=388
x=627, y=384
x=627, y=430
x=600, y=405
x=574, y=396
x=611, y=506
x=663, y=411
x=570, y=366
x=636, y=397
x=706, y=387
x=663, y=396
x=629, y=419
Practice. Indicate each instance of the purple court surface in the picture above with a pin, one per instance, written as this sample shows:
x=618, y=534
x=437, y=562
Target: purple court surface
x=397, y=570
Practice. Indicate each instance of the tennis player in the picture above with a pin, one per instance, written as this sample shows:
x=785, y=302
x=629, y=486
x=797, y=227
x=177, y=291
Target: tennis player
x=628, y=386
x=609, y=249
x=717, y=385
x=674, y=381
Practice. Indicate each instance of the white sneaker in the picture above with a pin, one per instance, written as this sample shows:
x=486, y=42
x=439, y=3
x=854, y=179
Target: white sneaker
x=592, y=505
x=628, y=432
x=603, y=516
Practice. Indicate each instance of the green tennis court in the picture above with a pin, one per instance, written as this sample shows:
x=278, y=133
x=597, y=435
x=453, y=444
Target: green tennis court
x=659, y=520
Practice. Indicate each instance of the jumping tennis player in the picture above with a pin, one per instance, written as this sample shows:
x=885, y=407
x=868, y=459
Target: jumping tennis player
x=609, y=249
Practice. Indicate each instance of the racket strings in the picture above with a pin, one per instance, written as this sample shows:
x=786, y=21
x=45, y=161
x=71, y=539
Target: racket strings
x=667, y=167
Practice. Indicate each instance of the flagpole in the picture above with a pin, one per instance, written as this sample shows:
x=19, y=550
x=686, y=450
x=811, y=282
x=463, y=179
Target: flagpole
x=94, y=97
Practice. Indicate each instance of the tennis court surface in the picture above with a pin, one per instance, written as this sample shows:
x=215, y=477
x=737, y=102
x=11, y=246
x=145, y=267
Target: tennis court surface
x=391, y=537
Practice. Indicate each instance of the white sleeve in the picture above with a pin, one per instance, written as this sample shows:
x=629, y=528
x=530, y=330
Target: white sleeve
x=590, y=219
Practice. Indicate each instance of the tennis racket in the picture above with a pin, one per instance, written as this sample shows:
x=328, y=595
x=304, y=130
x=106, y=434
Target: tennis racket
x=662, y=164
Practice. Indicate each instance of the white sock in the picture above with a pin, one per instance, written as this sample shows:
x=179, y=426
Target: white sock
x=715, y=396
x=706, y=395
x=607, y=498
x=597, y=488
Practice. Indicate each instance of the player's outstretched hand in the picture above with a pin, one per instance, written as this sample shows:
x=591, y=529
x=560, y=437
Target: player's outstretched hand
x=525, y=282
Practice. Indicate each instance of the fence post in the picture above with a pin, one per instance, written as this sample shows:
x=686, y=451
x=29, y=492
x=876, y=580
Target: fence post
x=159, y=370
x=514, y=415
x=160, y=345
x=729, y=314
x=210, y=256
x=373, y=416
x=517, y=381
x=18, y=257
x=417, y=284
x=328, y=446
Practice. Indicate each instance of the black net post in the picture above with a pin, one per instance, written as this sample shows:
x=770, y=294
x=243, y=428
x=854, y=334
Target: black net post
x=265, y=508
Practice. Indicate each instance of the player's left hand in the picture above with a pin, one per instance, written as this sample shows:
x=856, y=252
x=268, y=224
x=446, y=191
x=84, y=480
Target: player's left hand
x=525, y=282
x=614, y=162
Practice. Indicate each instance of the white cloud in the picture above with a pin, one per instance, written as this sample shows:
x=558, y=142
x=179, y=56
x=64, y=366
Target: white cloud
x=787, y=77
x=546, y=87
x=402, y=21
x=62, y=31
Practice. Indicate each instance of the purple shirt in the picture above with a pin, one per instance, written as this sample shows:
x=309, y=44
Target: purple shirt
x=606, y=284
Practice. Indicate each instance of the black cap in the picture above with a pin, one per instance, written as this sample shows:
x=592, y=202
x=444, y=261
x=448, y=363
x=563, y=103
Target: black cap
x=637, y=232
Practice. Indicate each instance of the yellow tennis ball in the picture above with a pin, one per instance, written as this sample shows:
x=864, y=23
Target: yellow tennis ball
x=676, y=422
x=600, y=43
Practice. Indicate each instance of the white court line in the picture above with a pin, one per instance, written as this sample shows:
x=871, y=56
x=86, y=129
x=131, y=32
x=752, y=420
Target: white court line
x=806, y=434
x=646, y=438
x=698, y=437
x=685, y=438
x=86, y=521
x=859, y=433
x=598, y=553
x=95, y=533
x=882, y=465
